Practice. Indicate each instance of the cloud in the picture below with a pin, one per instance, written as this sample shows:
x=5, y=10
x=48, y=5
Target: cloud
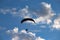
x=25, y=13
x=21, y=12
x=15, y=30
x=45, y=13
x=4, y=11
x=39, y=38
x=8, y=11
x=49, y=21
x=56, y=24
x=23, y=35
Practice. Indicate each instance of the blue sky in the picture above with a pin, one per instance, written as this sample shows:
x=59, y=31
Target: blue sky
x=46, y=14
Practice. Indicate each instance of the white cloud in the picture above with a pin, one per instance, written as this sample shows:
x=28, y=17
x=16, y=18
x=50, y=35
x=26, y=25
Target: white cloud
x=4, y=11
x=23, y=31
x=45, y=13
x=46, y=5
x=15, y=30
x=56, y=24
x=39, y=38
x=25, y=10
x=13, y=11
x=15, y=38
x=23, y=35
x=49, y=21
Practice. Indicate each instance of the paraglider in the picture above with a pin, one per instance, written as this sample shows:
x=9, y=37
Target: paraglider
x=27, y=19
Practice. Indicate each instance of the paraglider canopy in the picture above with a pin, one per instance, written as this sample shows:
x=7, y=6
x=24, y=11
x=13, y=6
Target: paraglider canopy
x=27, y=19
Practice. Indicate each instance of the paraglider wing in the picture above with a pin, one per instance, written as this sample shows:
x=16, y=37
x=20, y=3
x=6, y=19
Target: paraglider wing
x=26, y=19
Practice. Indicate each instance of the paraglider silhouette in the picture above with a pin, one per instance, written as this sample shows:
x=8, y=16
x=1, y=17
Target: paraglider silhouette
x=27, y=19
